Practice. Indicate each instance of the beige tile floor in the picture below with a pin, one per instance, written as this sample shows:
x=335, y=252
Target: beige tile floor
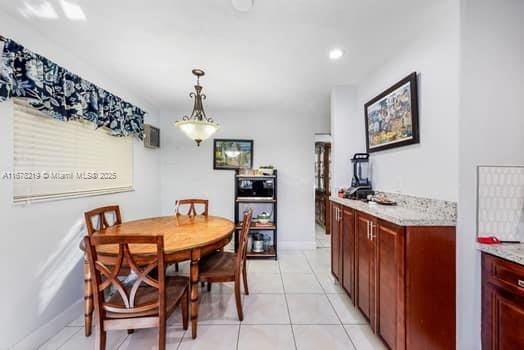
x=294, y=304
x=322, y=240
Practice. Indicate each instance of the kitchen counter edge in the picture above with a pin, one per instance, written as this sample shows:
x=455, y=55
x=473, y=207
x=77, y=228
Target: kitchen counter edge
x=508, y=251
x=398, y=215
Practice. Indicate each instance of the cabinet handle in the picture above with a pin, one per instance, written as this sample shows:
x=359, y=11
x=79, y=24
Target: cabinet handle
x=373, y=235
x=368, y=228
x=521, y=283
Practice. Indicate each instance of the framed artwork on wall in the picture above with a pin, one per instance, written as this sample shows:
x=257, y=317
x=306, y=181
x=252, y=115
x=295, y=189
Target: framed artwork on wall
x=392, y=116
x=230, y=154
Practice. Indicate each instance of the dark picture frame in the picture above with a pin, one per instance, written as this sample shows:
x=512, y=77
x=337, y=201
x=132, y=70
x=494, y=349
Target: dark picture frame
x=391, y=118
x=221, y=160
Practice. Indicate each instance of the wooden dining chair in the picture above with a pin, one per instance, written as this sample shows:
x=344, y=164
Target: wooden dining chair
x=229, y=267
x=96, y=220
x=192, y=203
x=148, y=302
x=191, y=211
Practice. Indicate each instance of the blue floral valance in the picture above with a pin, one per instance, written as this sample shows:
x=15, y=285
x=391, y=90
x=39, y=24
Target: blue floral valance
x=62, y=94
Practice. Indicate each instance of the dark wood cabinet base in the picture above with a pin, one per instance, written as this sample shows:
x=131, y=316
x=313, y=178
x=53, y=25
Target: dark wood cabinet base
x=402, y=279
x=502, y=304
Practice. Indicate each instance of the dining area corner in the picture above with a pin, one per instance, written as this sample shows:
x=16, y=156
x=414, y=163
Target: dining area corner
x=127, y=281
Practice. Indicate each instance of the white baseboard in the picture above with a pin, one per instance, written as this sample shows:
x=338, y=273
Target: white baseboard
x=297, y=245
x=51, y=328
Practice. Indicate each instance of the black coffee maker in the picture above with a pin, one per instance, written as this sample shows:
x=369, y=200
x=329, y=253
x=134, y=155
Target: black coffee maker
x=361, y=182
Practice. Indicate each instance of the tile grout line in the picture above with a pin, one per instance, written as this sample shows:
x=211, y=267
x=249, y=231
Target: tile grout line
x=287, y=307
x=341, y=323
x=284, y=293
x=182, y=337
x=285, y=324
x=332, y=306
x=350, y=338
x=238, y=334
x=316, y=277
x=122, y=342
x=65, y=341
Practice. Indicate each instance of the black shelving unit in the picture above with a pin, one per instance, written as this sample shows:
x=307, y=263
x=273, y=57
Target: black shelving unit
x=256, y=202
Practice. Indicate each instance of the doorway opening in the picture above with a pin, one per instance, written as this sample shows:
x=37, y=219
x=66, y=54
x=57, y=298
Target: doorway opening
x=322, y=190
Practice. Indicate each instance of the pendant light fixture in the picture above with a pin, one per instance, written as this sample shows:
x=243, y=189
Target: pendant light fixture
x=198, y=126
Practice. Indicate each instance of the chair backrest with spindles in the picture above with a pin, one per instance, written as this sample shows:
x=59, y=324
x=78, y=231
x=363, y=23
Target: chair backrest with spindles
x=105, y=276
x=242, y=246
x=102, y=215
x=192, y=203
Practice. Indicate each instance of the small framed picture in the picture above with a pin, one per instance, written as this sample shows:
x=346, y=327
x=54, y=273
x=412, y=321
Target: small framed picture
x=230, y=154
x=392, y=116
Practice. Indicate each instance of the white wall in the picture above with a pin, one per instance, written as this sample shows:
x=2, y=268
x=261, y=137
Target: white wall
x=41, y=262
x=428, y=169
x=346, y=133
x=491, y=131
x=283, y=139
x=323, y=138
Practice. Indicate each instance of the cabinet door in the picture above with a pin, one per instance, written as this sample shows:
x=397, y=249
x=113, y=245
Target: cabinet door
x=348, y=251
x=506, y=320
x=336, y=258
x=390, y=284
x=502, y=304
x=364, y=267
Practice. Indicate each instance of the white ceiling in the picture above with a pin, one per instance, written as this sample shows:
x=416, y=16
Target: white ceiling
x=275, y=56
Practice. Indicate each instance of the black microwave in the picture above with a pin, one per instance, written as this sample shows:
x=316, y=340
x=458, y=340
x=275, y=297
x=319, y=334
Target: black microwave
x=256, y=188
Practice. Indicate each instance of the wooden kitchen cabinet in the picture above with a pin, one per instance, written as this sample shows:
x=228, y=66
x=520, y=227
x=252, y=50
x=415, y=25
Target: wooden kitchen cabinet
x=336, y=241
x=348, y=250
x=365, y=267
x=502, y=304
x=343, y=246
x=390, y=282
x=402, y=278
x=380, y=277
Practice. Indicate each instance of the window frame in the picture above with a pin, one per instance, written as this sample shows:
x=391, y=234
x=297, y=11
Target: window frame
x=58, y=196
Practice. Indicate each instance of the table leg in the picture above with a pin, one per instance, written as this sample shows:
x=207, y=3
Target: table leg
x=195, y=258
x=88, y=300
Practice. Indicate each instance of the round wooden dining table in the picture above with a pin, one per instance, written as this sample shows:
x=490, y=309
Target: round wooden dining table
x=185, y=238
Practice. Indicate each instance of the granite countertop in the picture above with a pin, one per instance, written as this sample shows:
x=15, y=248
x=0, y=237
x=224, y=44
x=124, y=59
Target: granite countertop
x=409, y=211
x=509, y=251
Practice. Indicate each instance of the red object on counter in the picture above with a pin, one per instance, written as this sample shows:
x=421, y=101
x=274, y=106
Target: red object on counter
x=488, y=240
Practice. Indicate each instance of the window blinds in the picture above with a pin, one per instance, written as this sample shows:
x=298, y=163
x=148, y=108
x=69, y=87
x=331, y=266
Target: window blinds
x=55, y=159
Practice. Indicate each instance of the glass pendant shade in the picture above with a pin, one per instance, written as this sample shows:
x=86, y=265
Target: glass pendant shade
x=198, y=126
x=197, y=130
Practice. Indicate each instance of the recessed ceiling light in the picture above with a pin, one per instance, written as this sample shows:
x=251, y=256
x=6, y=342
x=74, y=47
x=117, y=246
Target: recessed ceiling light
x=242, y=5
x=336, y=54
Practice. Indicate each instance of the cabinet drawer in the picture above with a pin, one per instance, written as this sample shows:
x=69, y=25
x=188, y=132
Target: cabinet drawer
x=505, y=274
